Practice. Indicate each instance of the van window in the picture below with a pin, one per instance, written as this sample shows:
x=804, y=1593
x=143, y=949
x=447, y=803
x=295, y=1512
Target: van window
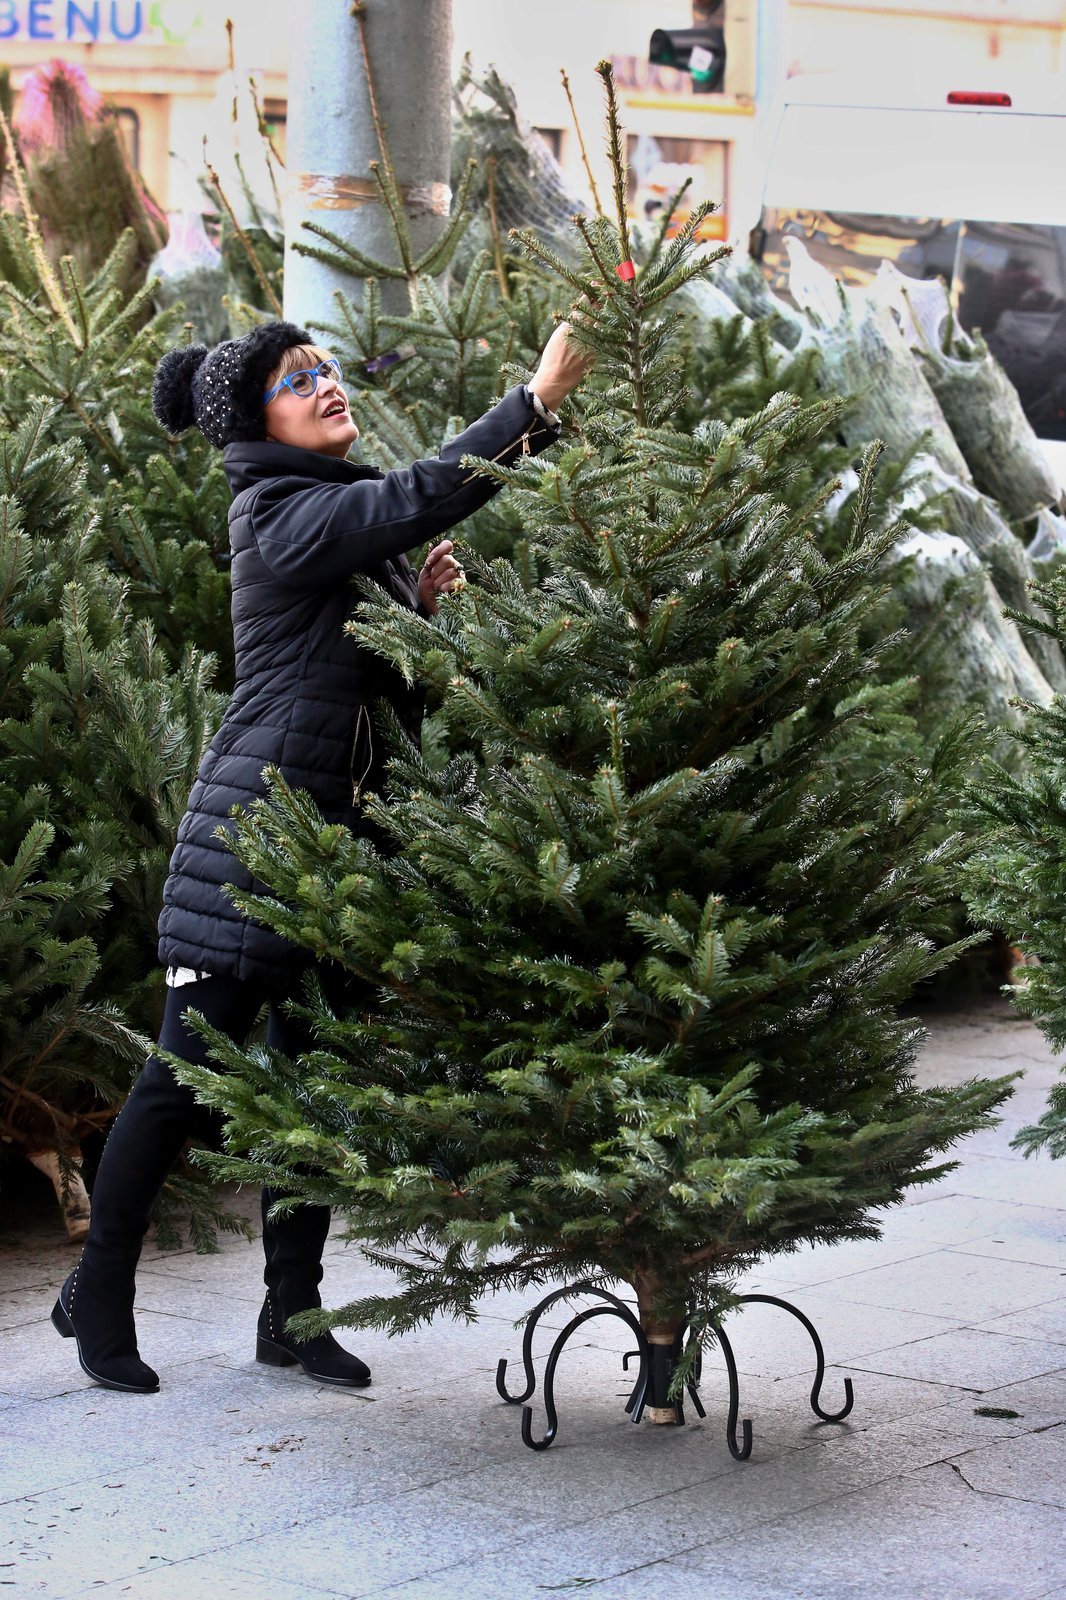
x=1006, y=279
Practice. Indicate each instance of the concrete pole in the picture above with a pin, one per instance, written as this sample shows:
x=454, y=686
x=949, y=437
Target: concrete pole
x=331, y=139
x=771, y=52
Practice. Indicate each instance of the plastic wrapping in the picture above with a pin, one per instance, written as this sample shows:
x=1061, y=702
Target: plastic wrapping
x=978, y=400
x=190, y=270
x=188, y=249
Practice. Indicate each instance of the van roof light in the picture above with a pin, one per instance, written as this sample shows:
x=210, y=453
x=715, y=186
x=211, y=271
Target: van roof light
x=977, y=97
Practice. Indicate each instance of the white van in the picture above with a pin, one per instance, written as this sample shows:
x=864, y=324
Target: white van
x=963, y=182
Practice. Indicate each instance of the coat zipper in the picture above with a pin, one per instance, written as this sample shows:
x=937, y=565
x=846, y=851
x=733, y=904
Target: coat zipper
x=358, y=782
x=523, y=440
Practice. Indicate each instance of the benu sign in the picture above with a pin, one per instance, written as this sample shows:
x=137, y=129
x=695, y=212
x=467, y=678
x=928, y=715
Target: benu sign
x=100, y=21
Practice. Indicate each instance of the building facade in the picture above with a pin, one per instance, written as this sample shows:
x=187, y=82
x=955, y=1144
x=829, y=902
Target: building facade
x=178, y=72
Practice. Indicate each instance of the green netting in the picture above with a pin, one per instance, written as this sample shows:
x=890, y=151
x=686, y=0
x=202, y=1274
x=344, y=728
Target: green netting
x=971, y=517
x=978, y=400
x=865, y=356
x=955, y=609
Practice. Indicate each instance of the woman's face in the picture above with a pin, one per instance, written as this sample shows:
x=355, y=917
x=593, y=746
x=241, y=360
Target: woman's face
x=320, y=421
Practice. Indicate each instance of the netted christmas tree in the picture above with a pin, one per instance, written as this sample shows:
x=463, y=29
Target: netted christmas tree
x=115, y=591
x=1017, y=880
x=645, y=910
x=65, y=1057
x=99, y=741
x=85, y=189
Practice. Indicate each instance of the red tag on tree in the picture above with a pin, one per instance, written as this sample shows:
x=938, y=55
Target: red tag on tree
x=626, y=270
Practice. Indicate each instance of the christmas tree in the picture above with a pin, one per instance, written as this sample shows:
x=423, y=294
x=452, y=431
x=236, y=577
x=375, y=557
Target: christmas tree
x=89, y=340
x=1016, y=880
x=646, y=906
x=82, y=344
x=77, y=355
x=115, y=589
x=65, y=1056
x=100, y=737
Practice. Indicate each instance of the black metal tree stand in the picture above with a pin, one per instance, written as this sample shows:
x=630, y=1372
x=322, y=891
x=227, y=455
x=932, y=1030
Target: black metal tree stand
x=657, y=1363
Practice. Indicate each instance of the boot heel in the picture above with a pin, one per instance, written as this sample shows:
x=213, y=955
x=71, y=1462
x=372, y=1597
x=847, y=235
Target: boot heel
x=273, y=1355
x=61, y=1322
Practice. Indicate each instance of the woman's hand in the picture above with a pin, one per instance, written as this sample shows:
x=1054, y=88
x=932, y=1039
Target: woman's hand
x=441, y=574
x=563, y=364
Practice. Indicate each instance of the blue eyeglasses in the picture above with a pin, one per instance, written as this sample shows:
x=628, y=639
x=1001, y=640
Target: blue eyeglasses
x=304, y=383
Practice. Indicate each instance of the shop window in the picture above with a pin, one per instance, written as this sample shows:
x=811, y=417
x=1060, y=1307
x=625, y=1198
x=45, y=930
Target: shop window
x=553, y=138
x=659, y=165
x=275, y=115
x=129, y=126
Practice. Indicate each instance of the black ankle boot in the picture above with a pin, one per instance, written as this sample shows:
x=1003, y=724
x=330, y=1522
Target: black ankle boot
x=292, y=1246
x=322, y=1358
x=100, y=1317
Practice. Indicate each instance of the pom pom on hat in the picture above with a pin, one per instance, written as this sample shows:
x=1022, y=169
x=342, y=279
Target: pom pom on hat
x=221, y=390
x=172, y=396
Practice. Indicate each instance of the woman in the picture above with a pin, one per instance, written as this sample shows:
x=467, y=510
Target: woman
x=303, y=523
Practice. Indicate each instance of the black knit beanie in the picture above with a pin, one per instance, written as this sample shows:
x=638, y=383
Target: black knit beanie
x=221, y=390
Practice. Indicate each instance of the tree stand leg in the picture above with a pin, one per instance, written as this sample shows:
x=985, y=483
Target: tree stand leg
x=819, y=1354
x=658, y=1356
x=613, y=1308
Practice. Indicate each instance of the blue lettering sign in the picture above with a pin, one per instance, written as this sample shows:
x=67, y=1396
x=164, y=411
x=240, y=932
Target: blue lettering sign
x=80, y=20
x=88, y=16
x=41, y=19
x=136, y=27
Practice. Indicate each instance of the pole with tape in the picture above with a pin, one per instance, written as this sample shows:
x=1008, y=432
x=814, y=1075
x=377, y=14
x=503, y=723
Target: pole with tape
x=332, y=139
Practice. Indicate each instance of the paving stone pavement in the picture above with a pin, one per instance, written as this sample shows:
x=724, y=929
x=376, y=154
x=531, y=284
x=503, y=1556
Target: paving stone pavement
x=249, y=1483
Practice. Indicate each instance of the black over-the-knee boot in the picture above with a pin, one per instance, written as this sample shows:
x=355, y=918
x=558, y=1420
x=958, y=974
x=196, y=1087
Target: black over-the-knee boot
x=95, y=1305
x=292, y=1246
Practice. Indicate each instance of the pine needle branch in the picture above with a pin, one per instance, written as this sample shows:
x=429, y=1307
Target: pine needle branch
x=581, y=144
x=49, y=281
x=246, y=244
x=616, y=152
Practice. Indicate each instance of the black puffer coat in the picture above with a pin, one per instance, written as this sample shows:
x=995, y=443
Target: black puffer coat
x=302, y=524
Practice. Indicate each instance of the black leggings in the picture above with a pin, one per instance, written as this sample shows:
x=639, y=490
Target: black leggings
x=161, y=1114
x=230, y=1005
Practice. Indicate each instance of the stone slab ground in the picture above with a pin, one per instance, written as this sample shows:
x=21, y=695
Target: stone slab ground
x=246, y=1483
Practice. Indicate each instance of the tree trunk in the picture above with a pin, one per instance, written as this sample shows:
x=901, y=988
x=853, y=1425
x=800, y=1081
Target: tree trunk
x=65, y=1178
